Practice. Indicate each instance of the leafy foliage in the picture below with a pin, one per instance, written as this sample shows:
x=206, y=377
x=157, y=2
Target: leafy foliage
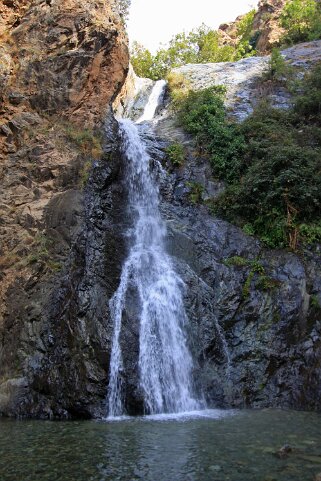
x=281, y=185
x=247, y=38
x=196, y=192
x=308, y=104
x=142, y=61
x=203, y=114
x=201, y=45
x=278, y=69
x=176, y=153
x=301, y=20
x=271, y=162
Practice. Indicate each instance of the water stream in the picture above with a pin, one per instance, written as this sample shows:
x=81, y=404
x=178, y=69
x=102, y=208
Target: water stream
x=165, y=363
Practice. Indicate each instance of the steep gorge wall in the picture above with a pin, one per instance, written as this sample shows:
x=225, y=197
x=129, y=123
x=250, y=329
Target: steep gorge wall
x=63, y=222
x=62, y=63
x=266, y=27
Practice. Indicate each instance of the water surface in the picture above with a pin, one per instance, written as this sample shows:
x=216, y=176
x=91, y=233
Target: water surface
x=237, y=446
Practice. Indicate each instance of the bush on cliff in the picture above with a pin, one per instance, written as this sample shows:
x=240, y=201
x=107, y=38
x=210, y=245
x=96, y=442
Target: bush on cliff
x=271, y=162
x=202, y=114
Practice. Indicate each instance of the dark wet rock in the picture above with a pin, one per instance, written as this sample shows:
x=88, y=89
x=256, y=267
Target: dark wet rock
x=284, y=452
x=65, y=325
x=255, y=343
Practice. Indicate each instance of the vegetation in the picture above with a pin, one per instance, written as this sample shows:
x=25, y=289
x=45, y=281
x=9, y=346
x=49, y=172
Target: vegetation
x=40, y=254
x=202, y=114
x=256, y=271
x=278, y=70
x=201, y=45
x=301, y=20
x=85, y=173
x=237, y=261
x=178, y=87
x=176, y=154
x=196, y=192
x=271, y=162
x=88, y=143
x=247, y=38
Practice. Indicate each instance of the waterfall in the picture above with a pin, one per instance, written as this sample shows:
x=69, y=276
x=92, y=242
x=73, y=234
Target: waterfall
x=153, y=101
x=165, y=363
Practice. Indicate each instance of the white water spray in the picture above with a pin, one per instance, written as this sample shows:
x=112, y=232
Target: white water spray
x=153, y=101
x=165, y=363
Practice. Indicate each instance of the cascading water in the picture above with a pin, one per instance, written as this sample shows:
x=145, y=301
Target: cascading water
x=153, y=101
x=165, y=363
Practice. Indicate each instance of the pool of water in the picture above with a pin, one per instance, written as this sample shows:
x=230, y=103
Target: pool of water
x=210, y=446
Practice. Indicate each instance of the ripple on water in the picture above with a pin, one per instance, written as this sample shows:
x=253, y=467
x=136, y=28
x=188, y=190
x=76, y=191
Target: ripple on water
x=210, y=445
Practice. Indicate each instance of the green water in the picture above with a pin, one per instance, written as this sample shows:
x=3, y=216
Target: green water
x=234, y=448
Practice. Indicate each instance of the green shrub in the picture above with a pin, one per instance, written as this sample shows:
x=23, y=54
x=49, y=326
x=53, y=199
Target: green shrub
x=271, y=163
x=308, y=104
x=278, y=69
x=247, y=38
x=310, y=233
x=301, y=20
x=176, y=153
x=237, y=261
x=142, y=61
x=202, y=114
x=88, y=143
x=196, y=192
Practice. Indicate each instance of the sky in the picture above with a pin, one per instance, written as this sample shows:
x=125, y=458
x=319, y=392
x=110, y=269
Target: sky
x=152, y=22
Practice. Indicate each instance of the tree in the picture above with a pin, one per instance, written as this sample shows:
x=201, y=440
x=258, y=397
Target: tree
x=142, y=60
x=198, y=46
x=302, y=20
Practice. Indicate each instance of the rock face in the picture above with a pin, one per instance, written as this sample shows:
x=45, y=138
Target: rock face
x=62, y=65
x=266, y=28
x=243, y=78
x=266, y=22
x=254, y=314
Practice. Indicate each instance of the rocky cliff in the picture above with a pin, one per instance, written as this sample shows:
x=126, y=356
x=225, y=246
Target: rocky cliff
x=243, y=79
x=62, y=63
x=266, y=29
x=257, y=341
x=254, y=314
